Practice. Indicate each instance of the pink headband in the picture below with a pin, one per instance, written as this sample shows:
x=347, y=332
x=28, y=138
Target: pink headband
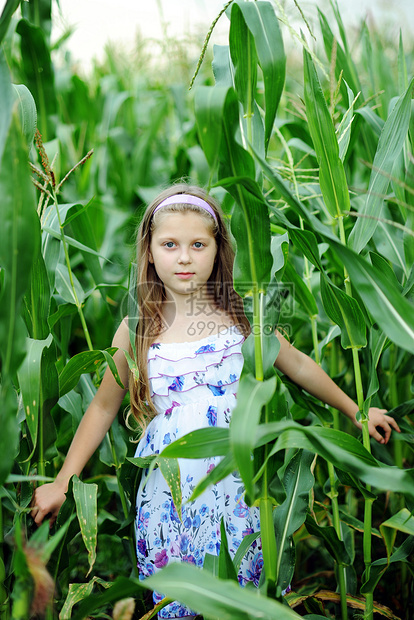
x=187, y=199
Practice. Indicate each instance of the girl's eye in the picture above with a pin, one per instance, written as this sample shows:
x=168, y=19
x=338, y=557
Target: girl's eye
x=198, y=245
x=169, y=244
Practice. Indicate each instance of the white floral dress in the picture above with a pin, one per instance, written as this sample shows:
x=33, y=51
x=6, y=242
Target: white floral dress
x=193, y=385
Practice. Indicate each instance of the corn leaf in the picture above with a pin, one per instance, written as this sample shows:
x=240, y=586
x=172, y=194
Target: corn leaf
x=87, y=511
x=332, y=177
x=297, y=481
x=83, y=363
x=346, y=313
x=252, y=395
x=214, y=597
x=262, y=23
x=390, y=144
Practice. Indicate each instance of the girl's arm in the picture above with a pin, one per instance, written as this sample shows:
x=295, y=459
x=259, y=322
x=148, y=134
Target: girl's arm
x=48, y=498
x=306, y=373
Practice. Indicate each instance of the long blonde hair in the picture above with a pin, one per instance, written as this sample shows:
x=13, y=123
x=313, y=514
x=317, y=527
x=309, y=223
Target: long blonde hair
x=151, y=293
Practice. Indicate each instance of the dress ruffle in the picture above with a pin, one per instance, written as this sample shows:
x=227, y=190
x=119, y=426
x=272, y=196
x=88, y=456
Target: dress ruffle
x=213, y=361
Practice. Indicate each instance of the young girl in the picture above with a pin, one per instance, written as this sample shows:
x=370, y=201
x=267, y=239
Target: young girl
x=188, y=340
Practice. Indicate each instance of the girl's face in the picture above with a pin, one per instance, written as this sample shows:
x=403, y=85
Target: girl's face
x=182, y=250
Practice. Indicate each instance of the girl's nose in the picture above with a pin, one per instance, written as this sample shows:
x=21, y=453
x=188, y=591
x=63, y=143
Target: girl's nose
x=184, y=256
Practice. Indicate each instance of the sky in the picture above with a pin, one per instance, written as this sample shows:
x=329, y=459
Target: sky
x=98, y=21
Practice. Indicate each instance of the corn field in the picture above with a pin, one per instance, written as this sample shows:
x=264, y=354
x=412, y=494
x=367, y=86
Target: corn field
x=312, y=160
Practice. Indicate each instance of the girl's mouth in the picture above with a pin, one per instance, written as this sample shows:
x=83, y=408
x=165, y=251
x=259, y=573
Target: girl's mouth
x=184, y=275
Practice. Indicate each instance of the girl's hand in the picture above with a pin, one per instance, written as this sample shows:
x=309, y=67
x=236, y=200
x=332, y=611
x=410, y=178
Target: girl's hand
x=377, y=418
x=47, y=500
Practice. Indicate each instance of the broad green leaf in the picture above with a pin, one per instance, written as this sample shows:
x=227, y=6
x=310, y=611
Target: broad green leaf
x=268, y=535
x=9, y=8
x=244, y=58
x=393, y=313
x=73, y=294
x=345, y=312
x=221, y=66
x=19, y=244
x=374, y=121
x=209, y=109
x=298, y=480
x=332, y=177
x=301, y=292
x=72, y=242
x=243, y=548
x=252, y=395
x=83, y=363
x=9, y=436
x=6, y=97
x=402, y=521
x=344, y=135
x=27, y=112
x=79, y=592
x=87, y=511
x=306, y=242
x=170, y=469
x=330, y=538
x=30, y=381
x=226, y=569
x=214, y=597
x=37, y=299
x=390, y=144
x=262, y=23
x=341, y=449
x=202, y=443
x=35, y=60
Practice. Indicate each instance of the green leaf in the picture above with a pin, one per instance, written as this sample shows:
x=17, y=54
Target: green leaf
x=346, y=313
x=9, y=8
x=393, y=313
x=262, y=23
x=226, y=569
x=170, y=469
x=83, y=363
x=202, y=443
x=244, y=58
x=214, y=597
x=9, y=437
x=64, y=286
x=36, y=379
x=298, y=480
x=343, y=450
x=390, y=145
x=252, y=395
x=332, y=177
x=27, y=112
x=35, y=61
x=330, y=538
x=37, y=299
x=79, y=592
x=87, y=511
x=345, y=130
x=300, y=291
x=403, y=521
x=19, y=245
x=6, y=100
